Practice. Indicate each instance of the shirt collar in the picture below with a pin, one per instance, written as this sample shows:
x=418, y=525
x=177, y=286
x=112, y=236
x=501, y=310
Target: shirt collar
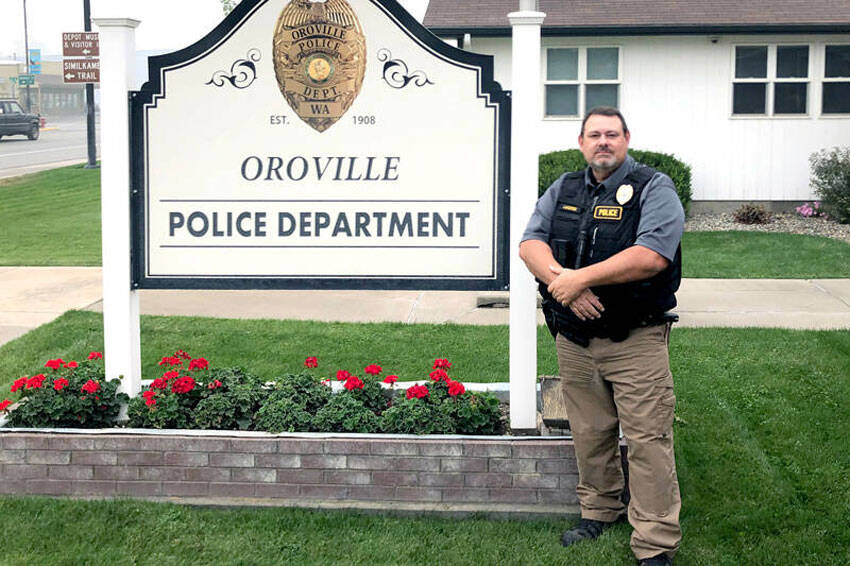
x=615, y=178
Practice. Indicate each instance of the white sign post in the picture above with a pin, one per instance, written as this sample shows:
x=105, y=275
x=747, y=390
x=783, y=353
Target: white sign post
x=120, y=301
x=525, y=79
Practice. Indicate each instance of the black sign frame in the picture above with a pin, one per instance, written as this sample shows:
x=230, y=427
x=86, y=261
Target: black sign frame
x=155, y=89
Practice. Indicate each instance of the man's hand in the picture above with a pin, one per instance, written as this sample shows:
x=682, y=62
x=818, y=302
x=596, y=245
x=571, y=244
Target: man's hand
x=587, y=306
x=569, y=290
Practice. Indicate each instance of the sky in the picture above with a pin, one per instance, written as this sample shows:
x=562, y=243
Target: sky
x=166, y=24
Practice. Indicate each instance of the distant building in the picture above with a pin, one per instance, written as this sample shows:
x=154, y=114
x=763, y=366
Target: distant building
x=50, y=96
x=742, y=91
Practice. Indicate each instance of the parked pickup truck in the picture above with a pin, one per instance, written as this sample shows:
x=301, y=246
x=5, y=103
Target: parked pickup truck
x=14, y=121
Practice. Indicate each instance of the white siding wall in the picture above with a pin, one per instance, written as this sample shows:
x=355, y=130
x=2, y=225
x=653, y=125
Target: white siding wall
x=676, y=93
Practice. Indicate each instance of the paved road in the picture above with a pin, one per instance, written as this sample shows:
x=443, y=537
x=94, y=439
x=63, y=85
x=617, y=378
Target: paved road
x=61, y=143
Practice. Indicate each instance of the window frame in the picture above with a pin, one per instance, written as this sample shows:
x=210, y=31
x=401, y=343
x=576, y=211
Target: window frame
x=823, y=79
x=581, y=80
x=770, y=80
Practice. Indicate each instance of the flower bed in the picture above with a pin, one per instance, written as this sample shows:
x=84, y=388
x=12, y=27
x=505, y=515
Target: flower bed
x=192, y=395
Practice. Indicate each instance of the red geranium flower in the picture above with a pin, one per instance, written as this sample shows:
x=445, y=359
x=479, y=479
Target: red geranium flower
x=442, y=363
x=418, y=391
x=439, y=375
x=91, y=386
x=311, y=362
x=150, y=402
x=95, y=356
x=353, y=382
x=60, y=384
x=198, y=363
x=159, y=383
x=72, y=364
x=170, y=375
x=148, y=394
x=5, y=403
x=170, y=361
x=391, y=379
x=342, y=375
x=183, y=384
x=35, y=381
x=54, y=364
x=372, y=369
x=214, y=384
x=456, y=388
x=182, y=354
x=19, y=384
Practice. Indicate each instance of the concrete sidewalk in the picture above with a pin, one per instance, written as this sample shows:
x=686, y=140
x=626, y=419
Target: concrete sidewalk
x=32, y=296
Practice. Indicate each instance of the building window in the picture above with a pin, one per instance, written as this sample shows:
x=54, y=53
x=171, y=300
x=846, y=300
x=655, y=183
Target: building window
x=771, y=80
x=836, y=80
x=579, y=78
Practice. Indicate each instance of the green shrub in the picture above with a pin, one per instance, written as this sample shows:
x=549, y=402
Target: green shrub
x=345, y=413
x=170, y=411
x=373, y=395
x=418, y=416
x=831, y=181
x=232, y=398
x=282, y=413
x=306, y=390
x=70, y=395
x=553, y=165
x=752, y=214
x=476, y=413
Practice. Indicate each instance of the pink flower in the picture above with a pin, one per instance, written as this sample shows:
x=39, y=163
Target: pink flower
x=35, y=381
x=60, y=384
x=342, y=375
x=418, y=391
x=19, y=383
x=353, y=382
x=72, y=365
x=439, y=375
x=442, y=363
x=95, y=356
x=198, y=363
x=91, y=386
x=54, y=364
x=372, y=369
x=183, y=384
x=456, y=388
x=4, y=404
x=214, y=384
x=391, y=379
x=311, y=362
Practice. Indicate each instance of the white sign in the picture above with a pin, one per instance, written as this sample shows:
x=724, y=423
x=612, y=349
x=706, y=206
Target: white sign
x=289, y=152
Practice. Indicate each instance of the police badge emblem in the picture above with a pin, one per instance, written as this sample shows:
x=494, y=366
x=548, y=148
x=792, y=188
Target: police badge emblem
x=624, y=193
x=319, y=59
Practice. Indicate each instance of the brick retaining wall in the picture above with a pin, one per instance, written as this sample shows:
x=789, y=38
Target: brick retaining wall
x=504, y=474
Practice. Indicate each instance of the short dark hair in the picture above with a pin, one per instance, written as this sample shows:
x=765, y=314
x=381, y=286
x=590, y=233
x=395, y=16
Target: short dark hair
x=604, y=111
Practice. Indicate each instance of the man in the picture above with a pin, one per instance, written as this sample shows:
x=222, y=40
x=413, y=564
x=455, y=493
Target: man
x=604, y=243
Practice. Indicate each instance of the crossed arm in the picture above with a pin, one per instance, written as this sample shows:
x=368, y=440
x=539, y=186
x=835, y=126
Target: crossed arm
x=571, y=287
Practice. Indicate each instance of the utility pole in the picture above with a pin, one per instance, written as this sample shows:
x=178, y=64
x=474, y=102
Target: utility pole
x=90, y=130
x=27, y=54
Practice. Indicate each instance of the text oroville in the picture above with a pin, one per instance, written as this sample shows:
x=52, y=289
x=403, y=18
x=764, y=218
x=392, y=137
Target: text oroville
x=375, y=224
x=318, y=168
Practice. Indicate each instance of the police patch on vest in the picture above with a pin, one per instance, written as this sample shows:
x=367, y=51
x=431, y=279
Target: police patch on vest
x=608, y=212
x=319, y=59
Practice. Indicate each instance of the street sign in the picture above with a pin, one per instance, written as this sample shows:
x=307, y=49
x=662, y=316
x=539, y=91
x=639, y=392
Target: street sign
x=81, y=44
x=35, y=61
x=26, y=80
x=81, y=70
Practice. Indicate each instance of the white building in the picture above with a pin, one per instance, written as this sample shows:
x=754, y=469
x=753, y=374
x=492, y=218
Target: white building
x=743, y=91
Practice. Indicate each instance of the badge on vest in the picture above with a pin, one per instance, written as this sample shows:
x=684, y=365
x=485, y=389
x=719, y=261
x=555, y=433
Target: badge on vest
x=625, y=193
x=608, y=213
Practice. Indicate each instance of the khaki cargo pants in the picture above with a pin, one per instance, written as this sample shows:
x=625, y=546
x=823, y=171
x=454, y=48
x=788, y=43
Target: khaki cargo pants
x=627, y=383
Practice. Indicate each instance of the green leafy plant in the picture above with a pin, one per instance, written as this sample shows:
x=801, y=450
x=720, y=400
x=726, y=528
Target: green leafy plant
x=554, y=164
x=293, y=402
x=418, y=416
x=752, y=214
x=231, y=400
x=70, y=395
x=831, y=181
x=477, y=413
x=345, y=413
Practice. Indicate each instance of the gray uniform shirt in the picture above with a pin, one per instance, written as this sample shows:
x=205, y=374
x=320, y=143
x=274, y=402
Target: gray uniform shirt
x=662, y=219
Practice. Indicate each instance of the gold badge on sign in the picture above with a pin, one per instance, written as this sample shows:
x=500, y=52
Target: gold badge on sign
x=319, y=59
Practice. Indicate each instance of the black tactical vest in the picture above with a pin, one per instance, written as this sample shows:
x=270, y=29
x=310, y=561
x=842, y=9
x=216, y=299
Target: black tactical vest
x=589, y=227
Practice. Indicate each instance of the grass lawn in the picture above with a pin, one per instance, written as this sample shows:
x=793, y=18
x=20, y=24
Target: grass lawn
x=761, y=445
x=53, y=218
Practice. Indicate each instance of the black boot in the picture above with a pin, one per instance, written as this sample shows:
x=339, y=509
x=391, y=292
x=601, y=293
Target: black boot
x=587, y=529
x=658, y=560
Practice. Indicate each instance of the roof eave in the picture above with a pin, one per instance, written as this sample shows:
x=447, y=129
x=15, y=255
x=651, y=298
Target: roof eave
x=648, y=30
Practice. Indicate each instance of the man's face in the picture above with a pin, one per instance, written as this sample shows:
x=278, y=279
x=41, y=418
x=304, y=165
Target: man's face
x=603, y=143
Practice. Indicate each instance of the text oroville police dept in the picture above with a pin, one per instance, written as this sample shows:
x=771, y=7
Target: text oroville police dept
x=206, y=222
